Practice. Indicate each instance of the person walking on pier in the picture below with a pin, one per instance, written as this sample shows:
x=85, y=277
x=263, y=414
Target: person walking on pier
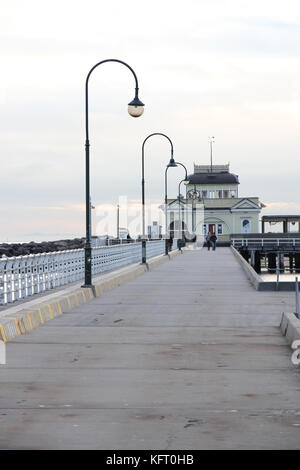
x=170, y=241
x=213, y=241
x=207, y=239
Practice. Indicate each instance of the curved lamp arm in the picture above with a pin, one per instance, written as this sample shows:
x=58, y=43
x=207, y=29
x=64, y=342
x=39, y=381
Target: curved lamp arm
x=163, y=135
x=139, y=103
x=166, y=182
x=143, y=156
x=179, y=187
x=181, y=164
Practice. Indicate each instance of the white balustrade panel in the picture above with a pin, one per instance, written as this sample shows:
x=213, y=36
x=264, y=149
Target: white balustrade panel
x=107, y=258
x=155, y=248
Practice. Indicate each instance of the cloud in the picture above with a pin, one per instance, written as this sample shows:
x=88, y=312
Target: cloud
x=281, y=207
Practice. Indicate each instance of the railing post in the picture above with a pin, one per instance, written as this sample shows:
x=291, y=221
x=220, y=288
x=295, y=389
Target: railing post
x=2, y=281
x=16, y=274
x=29, y=280
x=40, y=272
x=9, y=279
x=277, y=271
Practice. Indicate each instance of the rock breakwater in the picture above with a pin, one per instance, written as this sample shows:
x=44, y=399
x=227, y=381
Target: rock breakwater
x=21, y=249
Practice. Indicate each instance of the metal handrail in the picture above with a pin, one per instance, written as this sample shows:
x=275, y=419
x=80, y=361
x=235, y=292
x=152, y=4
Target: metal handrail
x=247, y=242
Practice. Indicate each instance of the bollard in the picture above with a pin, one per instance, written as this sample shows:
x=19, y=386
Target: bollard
x=297, y=298
x=144, y=255
x=291, y=263
x=271, y=262
x=2, y=353
x=277, y=278
x=257, y=262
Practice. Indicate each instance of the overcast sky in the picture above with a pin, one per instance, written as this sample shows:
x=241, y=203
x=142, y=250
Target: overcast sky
x=220, y=67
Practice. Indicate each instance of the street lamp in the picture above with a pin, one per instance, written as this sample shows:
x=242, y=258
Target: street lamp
x=171, y=164
x=143, y=187
x=118, y=221
x=211, y=141
x=135, y=109
x=185, y=181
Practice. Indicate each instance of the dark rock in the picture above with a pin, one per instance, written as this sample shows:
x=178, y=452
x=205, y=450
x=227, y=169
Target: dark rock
x=22, y=249
x=15, y=246
x=7, y=252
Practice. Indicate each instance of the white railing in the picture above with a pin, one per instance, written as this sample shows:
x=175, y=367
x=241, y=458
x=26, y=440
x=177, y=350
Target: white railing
x=265, y=242
x=155, y=248
x=23, y=276
x=115, y=256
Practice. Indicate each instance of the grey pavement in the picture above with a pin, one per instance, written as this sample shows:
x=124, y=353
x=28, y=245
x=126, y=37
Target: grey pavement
x=187, y=356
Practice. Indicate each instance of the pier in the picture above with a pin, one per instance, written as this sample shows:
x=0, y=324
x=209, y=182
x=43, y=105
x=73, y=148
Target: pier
x=149, y=159
x=187, y=355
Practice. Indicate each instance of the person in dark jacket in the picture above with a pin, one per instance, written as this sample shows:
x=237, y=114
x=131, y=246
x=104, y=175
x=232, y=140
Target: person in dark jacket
x=208, y=242
x=170, y=241
x=213, y=241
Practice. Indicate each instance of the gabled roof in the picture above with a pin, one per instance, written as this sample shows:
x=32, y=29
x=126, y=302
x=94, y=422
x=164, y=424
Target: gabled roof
x=245, y=204
x=229, y=203
x=175, y=203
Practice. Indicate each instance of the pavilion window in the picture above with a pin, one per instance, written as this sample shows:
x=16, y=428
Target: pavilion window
x=220, y=229
x=211, y=194
x=204, y=193
x=225, y=193
x=233, y=193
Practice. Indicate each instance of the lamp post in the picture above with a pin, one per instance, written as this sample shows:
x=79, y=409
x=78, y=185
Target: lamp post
x=170, y=165
x=143, y=186
x=135, y=109
x=193, y=209
x=193, y=195
x=118, y=221
x=185, y=181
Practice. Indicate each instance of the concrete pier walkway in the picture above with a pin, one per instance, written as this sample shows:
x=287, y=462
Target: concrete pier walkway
x=187, y=356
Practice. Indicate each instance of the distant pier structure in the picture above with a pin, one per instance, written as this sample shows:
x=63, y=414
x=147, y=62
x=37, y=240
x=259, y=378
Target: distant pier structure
x=276, y=252
x=286, y=220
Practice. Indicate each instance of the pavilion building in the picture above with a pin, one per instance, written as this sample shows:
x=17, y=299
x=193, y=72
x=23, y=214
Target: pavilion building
x=225, y=212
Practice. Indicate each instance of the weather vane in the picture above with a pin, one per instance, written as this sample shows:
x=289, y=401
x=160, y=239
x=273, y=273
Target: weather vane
x=211, y=140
